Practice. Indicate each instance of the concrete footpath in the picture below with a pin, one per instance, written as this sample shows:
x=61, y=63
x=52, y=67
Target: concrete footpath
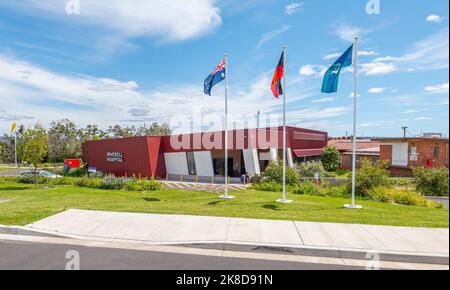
x=420, y=245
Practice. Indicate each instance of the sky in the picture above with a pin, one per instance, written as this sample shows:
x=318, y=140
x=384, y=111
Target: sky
x=132, y=63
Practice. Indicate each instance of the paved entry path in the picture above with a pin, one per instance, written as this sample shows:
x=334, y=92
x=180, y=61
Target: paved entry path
x=201, y=186
x=184, y=229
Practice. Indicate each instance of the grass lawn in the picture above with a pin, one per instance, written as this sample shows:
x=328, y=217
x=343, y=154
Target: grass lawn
x=7, y=168
x=29, y=204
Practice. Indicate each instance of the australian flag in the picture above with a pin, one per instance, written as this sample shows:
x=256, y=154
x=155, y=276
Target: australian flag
x=215, y=77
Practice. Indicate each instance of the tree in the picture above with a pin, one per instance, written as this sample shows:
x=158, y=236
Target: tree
x=370, y=176
x=331, y=158
x=33, y=147
x=91, y=132
x=7, y=149
x=63, y=141
x=159, y=130
x=274, y=174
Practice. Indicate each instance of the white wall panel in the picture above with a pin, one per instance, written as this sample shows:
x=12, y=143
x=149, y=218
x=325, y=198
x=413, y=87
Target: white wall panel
x=400, y=154
x=251, y=162
x=176, y=163
x=204, y=163
x=290, y=161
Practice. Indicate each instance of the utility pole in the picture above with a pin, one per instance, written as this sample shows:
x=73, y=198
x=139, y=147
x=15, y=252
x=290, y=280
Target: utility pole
x=404, y=132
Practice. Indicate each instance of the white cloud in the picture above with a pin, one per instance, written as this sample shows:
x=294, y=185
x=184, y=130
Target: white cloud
x=314, y=113
x=36, y=94
x=312, y=70
x=377, y=123
x=441, y=88
x=174, y=20
x=323, y=100
x=367, y=53
x=308, y=70
x=360, y=53
x=266, y=37
x=377, y=90
x=332, y=56
x=424, y=119
x=352, y=94
x=411, y=111
x=293, y=8
x=378, y=68
x=434, y=18
x=348, y=33
x=431, y=53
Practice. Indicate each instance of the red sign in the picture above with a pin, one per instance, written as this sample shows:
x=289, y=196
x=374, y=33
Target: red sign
x=72, y=163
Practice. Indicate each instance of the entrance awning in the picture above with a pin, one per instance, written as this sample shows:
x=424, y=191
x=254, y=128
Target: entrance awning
x=307, y=152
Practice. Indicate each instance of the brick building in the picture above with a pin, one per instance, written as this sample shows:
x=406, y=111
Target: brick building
x=403, y=154
x=366, y=149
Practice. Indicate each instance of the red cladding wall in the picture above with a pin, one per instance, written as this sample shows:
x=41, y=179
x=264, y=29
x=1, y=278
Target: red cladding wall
x=139, y=156
x=145, y=155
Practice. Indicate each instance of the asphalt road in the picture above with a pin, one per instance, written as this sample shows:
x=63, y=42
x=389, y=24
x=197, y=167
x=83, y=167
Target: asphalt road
x=35, y=256
x=11, y=172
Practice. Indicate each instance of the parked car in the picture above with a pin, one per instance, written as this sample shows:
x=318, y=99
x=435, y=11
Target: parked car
x=44, y=173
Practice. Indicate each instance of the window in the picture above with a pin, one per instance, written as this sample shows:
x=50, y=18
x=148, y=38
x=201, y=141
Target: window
x=436, y=152
x=191, y=163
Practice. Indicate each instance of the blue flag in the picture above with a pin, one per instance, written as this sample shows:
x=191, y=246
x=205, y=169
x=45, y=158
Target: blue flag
x=215, y=77
x=331, y=78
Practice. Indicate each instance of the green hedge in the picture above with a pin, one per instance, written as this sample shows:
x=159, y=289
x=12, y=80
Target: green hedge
x=310, y=188
x=112, y=183
x=432, y=181
x=403, y=197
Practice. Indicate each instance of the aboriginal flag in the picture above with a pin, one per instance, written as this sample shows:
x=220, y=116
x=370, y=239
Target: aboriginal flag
x=277, y=88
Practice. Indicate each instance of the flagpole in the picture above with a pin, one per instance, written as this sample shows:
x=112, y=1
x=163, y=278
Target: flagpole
x=226, y=196
x=354, y=141
x=284, y=200
x=15, y=143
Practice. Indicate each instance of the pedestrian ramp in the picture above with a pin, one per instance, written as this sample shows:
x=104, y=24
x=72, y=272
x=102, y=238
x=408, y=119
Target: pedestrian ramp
x=202, y=186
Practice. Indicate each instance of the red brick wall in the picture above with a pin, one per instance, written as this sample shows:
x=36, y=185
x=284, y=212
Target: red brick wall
x=346, y=160
x=425, y=151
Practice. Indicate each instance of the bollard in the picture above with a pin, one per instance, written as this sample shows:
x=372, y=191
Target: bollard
x=196, y=180
x=167, y=177
x=139, y=178
x=212, y=180
x=181, y=179
x=126, y=175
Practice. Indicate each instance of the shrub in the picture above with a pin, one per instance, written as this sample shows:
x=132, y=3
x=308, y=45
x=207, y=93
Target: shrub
x=112, y=183
x=370, y=176
x=309, y=188
x=9, y=179
x=331, y=158
x=257, y=179
x=432, y=182
x=62, y=181
x=309, y=169
x=30, y=179
x=88, y=182
x=274, y=174
x=403, y=197
x=380, y=194
x=338, y=191
x=268, y=186
x=77, y=172
x=343, y=172
x=142, y=185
